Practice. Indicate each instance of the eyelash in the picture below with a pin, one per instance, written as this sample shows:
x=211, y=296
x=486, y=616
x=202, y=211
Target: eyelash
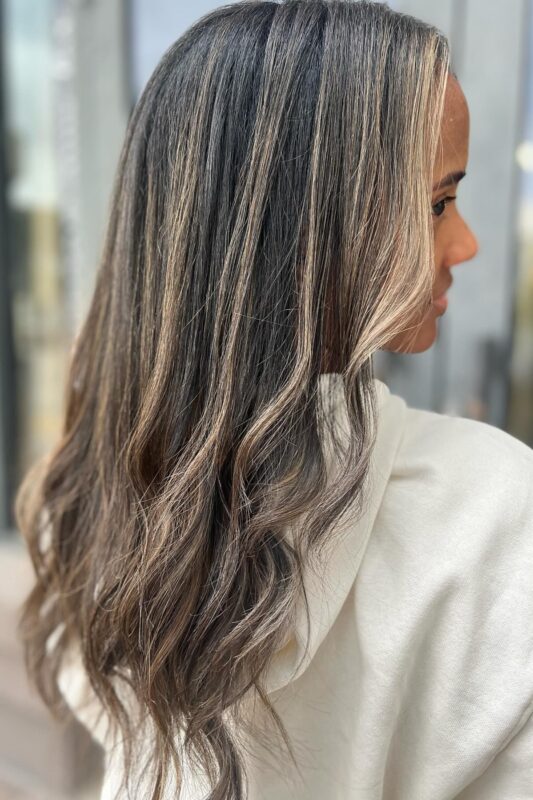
x=444, y=200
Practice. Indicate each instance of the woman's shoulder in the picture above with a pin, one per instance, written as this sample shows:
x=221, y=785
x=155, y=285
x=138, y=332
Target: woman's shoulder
x=463, y=455
x=445, y=591
x=465, y=489
x=457, y=515
x=457, y=519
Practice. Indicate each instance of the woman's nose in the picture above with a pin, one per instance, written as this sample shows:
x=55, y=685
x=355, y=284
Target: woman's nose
x=463, y=246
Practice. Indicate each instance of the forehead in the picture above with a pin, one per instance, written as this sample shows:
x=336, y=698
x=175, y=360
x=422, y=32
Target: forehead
x=452, y=151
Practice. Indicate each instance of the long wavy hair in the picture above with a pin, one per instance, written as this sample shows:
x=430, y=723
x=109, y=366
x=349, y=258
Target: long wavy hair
x=270, y=225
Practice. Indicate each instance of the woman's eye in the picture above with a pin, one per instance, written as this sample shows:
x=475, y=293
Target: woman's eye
x=439, y=207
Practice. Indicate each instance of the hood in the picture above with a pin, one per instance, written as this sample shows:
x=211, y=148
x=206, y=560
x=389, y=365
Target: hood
x=328, y=588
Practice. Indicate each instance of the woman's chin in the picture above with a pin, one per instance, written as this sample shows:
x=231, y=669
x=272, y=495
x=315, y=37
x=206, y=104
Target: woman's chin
x=424, y=338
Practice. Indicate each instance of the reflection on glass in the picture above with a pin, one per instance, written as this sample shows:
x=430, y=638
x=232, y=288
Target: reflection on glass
x=520, y=412
x=36, y=279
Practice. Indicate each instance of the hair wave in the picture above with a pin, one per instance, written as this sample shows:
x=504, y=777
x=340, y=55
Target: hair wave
x=270, y=224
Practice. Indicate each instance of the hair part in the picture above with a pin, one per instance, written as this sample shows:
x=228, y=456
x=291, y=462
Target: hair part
x=270, y=224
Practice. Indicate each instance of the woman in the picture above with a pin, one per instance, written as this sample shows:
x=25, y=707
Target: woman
x=259, y=573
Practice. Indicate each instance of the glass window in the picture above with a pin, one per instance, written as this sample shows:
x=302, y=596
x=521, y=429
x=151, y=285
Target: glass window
x=520, y=409
x=36, y=280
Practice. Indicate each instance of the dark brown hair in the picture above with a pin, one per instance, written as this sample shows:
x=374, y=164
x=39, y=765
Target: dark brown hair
x=270, y=224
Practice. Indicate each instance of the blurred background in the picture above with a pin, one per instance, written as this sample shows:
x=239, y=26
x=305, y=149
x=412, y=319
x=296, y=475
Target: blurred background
x=71, y=71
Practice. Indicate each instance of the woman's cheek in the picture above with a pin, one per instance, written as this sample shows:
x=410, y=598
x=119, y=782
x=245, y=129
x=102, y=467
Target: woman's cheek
x=437, y=249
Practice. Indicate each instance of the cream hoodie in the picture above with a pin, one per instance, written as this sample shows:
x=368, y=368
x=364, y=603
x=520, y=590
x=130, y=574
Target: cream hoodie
x=418, y=680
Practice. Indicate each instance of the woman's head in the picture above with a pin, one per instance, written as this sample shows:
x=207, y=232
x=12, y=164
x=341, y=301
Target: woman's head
x=454, y=242
x=271, y=220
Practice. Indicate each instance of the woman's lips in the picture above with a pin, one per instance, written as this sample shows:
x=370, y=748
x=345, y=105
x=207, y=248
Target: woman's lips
x=441, y=303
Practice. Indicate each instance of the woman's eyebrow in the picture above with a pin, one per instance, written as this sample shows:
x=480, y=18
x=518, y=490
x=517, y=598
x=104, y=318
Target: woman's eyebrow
x=449, y=180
